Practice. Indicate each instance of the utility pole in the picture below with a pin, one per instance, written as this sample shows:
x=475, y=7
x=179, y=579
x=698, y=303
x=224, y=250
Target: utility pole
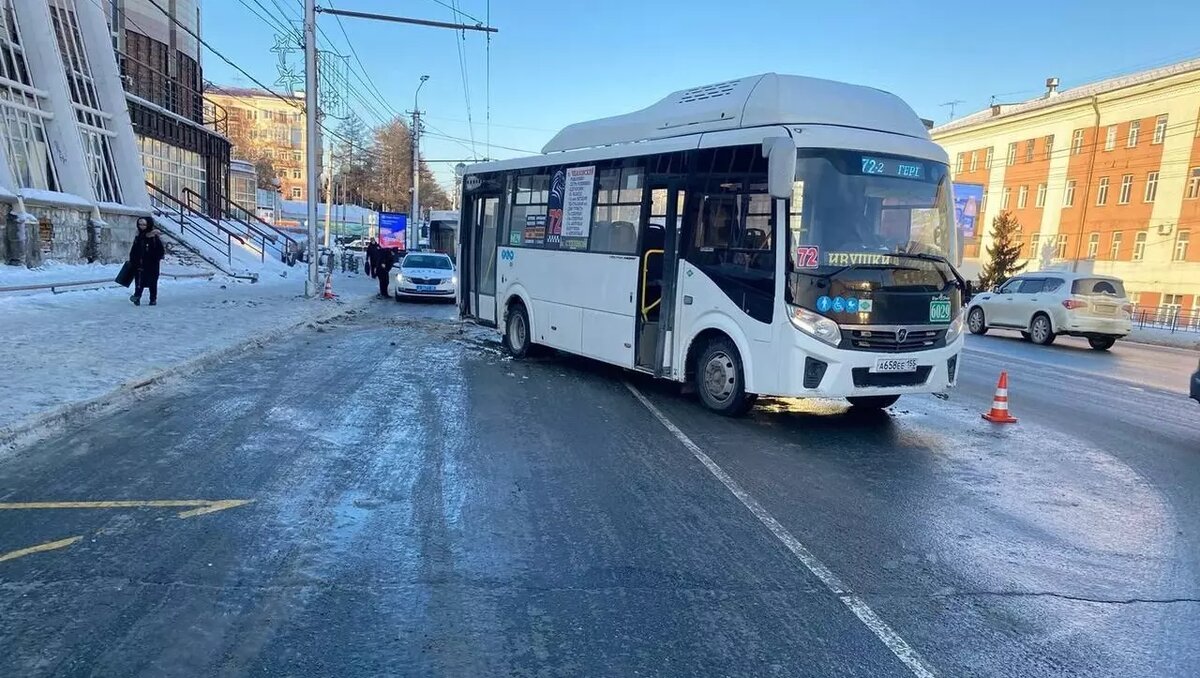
x=414, y=228
x=328, y=191
x=311, y=139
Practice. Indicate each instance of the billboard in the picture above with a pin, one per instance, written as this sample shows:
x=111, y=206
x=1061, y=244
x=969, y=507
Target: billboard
x=968, y=199
x=393, y=226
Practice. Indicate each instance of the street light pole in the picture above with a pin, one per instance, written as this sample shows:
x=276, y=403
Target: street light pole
x=311, y=139
x=414, y=229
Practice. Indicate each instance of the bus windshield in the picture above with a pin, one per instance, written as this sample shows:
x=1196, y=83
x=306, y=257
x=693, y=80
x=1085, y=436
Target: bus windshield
x=851, y=209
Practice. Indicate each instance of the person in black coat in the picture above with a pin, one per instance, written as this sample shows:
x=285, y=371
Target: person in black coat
x=385, y=259
x=372, y=254
x=146, y=255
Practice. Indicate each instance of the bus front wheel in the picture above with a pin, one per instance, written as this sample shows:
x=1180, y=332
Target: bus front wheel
x=516, y=331
x=720, y=381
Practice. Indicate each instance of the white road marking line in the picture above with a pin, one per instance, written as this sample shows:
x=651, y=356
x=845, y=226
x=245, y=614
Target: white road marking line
x=899, y=647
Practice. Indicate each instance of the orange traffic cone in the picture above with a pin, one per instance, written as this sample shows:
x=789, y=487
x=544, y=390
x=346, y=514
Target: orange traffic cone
x=329, y=287
x=999, y=412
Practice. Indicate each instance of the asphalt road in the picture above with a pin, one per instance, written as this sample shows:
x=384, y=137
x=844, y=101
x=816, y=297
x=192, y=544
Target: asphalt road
x=418, y=504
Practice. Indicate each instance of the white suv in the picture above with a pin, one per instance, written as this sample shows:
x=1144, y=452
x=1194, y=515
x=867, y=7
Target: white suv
x=1046, y=304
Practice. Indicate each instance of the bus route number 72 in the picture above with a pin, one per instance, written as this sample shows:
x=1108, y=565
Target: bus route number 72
x=808, y=256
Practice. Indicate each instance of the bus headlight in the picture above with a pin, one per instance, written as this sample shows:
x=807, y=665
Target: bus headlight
x=956, y=327
x=815, y=325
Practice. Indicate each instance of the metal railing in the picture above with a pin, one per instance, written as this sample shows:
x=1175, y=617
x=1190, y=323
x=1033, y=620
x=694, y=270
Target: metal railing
x=219, y=239
x=284, y=243
x=1167, y=318
x=253, y=238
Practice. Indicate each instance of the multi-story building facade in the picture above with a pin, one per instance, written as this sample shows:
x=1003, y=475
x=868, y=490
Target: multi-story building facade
x=71, y=183
x=1103, y=177
x=180, y=137
x=263, y=126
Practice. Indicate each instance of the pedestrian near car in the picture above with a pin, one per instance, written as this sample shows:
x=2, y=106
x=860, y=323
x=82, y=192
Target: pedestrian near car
x=385, y=259
x=372, y=253
x=146, y=257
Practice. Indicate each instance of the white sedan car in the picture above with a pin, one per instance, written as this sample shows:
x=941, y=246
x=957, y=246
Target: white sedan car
x=1046, y=304
x=426, y=274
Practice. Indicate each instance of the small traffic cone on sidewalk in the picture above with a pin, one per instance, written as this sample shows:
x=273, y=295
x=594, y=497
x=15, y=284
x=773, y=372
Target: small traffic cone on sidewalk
x=329, y=287
x=999, y=412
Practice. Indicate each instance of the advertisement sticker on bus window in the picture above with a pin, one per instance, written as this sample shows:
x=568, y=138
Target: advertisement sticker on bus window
x=808, y=256
x=577, y=206
x=535, y=229
x=865, y=305
x=554, y=210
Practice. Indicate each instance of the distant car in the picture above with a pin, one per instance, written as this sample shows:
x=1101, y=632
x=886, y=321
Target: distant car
x=426, y=274
x=359, y=245
x=1046, y=304
x=1196, y=385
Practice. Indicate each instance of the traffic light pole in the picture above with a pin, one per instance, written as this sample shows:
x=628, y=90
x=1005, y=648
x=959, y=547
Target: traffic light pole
x=312, y=139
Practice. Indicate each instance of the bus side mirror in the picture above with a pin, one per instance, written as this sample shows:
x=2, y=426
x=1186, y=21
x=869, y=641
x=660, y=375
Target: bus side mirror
x=780, y=153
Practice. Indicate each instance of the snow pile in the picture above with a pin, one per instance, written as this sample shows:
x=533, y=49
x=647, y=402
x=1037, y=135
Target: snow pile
x=68, y=348
x=1164, y=337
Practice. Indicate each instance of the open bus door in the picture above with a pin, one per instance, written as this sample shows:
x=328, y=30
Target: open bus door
x=659, y=260
x=477, y=262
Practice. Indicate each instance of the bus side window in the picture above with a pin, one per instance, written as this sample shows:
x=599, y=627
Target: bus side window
x=618, y=210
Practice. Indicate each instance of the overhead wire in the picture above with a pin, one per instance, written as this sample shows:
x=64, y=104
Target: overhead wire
x=460, y=38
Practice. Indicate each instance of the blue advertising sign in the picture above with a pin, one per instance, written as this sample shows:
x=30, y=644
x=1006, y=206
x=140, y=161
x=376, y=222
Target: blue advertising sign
x=968, y=199
x=392, y=228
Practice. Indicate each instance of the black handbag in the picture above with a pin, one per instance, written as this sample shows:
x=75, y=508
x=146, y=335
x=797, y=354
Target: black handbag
x=126, y=275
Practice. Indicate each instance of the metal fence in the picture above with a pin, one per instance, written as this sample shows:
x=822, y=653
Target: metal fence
x=1167, y=318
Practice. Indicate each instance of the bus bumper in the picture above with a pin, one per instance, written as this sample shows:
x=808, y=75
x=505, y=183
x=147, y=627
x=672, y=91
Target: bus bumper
x=828, y=372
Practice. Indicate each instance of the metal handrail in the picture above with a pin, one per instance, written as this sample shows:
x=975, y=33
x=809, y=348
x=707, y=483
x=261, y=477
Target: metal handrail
x=645, y=276
x=251, y=231
x=161, y=196
x=260, y=220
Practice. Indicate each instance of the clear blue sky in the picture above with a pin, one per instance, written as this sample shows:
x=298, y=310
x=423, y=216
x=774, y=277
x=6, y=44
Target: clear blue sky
x=554, y=62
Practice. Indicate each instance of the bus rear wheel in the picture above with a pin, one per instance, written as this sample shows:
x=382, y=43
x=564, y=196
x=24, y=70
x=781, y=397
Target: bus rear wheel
x=720, y=381
x=516, y=330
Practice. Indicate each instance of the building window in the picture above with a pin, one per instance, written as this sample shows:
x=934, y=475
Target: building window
x=1126, y=189
x=987, y=158
x=1019, y=241
x=1139, y=246
x=297, y=137
x=295, y=192
x=1135, y=128
x=1022, y=197
x=983, y=203
x=1160, y=129
x=296, y=158
x=1110, y=139
x=172, y=169
x=268, y=115
x=1012, y=154
x=1034, y=243
x=1049, y=145
x=296, y=174
x=958, y=164
x=22, y=120
x=1151, y=187
x=1093, y=245
x=1004, y=196
x=1029, y=151
x=1069, y=194
x=974, y=161
x=1077, y=142
x=1181, y=245
x=1102, y=192
x=1193, y=185
x=1114, y=249
x=1040, y=201
x=90, y=119
x=1060, y=249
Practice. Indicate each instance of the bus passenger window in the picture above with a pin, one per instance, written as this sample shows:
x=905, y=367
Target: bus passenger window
x=618, y=210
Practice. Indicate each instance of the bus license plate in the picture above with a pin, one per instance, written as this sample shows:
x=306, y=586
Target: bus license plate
x=895, y=365
x=426, y=288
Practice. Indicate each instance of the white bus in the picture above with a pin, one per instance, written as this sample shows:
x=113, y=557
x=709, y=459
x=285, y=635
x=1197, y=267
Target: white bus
x=775, y=235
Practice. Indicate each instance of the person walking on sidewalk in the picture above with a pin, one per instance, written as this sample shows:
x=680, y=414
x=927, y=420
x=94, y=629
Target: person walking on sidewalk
x=385, y=258
x=146, y=255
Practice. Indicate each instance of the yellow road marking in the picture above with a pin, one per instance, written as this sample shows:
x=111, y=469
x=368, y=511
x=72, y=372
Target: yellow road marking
x=196, y=507
x=48, y=546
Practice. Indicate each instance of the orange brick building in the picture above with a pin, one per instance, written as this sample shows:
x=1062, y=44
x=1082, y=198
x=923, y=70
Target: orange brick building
x=1104, y=177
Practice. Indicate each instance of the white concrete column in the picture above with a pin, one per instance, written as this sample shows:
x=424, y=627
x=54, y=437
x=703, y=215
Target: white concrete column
x=46, y=68
x=107, y=76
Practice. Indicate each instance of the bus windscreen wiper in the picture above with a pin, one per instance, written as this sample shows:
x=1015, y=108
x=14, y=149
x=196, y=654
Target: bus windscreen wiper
x=924, y=256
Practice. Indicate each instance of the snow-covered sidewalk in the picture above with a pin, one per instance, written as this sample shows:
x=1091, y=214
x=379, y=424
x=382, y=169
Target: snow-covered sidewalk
x=64, y=349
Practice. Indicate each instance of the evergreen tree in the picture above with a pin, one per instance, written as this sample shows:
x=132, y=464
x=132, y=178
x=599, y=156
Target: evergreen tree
x=1003, y=254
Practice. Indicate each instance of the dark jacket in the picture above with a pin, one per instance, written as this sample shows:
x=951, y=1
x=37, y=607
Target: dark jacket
x=385, y=258
x=372, y=252
x=146, y=253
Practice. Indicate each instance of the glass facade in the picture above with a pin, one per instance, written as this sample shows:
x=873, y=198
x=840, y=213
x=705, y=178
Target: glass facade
x=171, y=168
x=93, y=123
x=22, y=120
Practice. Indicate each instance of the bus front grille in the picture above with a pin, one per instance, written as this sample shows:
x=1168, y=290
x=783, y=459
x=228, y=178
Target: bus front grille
x=887, y=341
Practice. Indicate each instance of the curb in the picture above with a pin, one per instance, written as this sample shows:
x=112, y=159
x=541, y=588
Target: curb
x=26, y=431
